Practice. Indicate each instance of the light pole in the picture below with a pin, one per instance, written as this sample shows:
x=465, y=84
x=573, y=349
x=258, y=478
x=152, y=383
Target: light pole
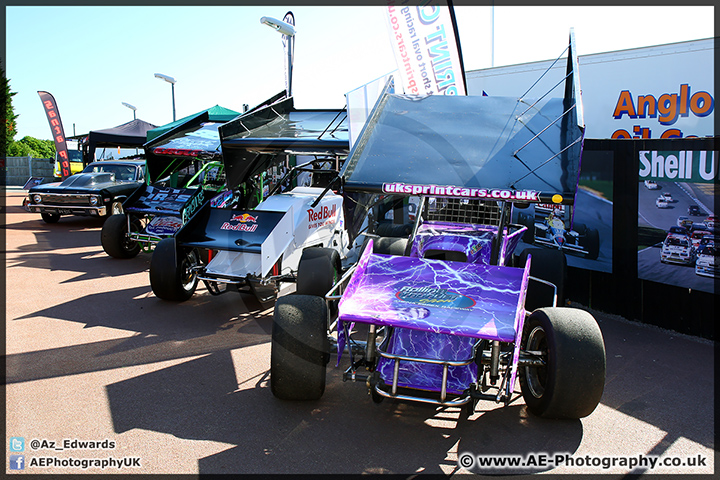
x=171, y=81
x=131, y=107
x=286, y=26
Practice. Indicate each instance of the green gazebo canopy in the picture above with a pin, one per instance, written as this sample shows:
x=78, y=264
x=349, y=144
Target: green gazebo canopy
x=216, y=113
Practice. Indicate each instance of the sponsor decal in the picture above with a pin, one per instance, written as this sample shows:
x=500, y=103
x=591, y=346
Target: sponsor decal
x=322, y=213
x=476, y=248
x=461, y=192
x=243, y=218
x=177, y=152
x=667, y=108
x=247, y=223
x=550, y=206
x=164, y=225
x=239, y=227
x=322, y=216
x=222, y=200
x=195, y=203
x=694, y=167
x=432, y=296
x=426, y=49
x=158, y=195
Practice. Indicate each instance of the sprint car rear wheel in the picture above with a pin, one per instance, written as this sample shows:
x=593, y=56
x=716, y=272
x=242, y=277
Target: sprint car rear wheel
x=571, y=382
x=386, y=229
x=548, y=265
x=300, y=349
x=390, y=246
x=172, y=274
x=114, y=237
x=318, y=272
x=50, y=217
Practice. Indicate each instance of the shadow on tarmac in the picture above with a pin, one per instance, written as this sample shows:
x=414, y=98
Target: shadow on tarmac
x=167, y=331
x=663, y=379
x=201, y=400
x=84, y=263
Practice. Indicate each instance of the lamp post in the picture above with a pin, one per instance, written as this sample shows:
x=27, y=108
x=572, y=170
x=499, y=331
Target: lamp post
x=171, y=81
x=286, y=26
x=131, y=107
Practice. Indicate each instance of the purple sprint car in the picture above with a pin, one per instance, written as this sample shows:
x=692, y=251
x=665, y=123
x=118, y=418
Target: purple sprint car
x=451, y=314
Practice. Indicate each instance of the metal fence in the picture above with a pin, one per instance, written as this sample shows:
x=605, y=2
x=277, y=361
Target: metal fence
x=18, y=170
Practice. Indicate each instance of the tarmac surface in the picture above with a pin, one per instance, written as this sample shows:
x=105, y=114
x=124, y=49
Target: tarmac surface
x=93, y=356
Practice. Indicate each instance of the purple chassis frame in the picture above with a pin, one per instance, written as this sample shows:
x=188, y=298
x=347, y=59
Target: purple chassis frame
x=439, y=310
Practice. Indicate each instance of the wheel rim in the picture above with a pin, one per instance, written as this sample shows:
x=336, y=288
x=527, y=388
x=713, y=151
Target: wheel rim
x=128, y=244
x=536, y=377
x=188, y=275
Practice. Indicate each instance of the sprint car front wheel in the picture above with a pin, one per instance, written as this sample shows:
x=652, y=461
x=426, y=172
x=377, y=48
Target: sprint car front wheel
x=172, y=271
x=571, y=381
x=300, y=349
x=114, y=238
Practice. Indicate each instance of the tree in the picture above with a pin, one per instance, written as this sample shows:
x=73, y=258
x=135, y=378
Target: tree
x=32, y=147
x=27, y=146
x=8, y=114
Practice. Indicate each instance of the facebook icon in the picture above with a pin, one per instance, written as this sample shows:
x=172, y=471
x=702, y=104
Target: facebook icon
x=17, y=462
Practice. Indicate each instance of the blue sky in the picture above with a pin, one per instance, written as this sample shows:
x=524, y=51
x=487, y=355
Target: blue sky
x=225, y=56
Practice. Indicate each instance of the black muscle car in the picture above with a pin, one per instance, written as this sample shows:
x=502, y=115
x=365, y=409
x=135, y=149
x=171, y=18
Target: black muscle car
x=99, y=190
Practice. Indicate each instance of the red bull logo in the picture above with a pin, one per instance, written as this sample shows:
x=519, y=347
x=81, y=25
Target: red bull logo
x=321, y=217
x=322, y=213
x=243, y=218
x=239, y=227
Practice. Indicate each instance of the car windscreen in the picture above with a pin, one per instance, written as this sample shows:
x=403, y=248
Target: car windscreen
x=123, y=173
x=672, y=241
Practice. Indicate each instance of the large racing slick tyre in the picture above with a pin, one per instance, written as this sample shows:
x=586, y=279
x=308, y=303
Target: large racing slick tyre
x=548, y=265
x=172, y=274
x=386, y=229
x=318, y=272
x=114, y=237
x=50, y=217
x=390, y=246
x=300, y=349
x=571, y=381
